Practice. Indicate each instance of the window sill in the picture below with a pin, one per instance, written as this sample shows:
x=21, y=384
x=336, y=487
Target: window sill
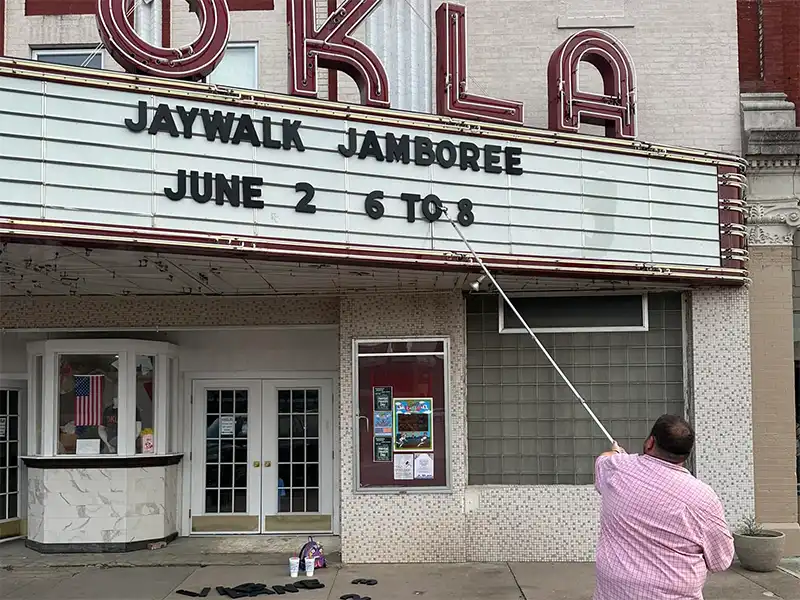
x=101, y=462
x=402, y=491
x=606, y=22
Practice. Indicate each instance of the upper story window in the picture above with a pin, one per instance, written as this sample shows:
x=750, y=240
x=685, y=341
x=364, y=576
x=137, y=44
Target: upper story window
x=73, y=57
x=238, y=68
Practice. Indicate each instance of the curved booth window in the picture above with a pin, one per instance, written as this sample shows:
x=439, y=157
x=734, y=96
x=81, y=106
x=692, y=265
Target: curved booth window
x=106, y=397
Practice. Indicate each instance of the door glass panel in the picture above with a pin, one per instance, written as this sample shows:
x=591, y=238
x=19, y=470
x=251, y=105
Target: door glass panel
x=226, y=451
x=298, y=464
x=9, y=453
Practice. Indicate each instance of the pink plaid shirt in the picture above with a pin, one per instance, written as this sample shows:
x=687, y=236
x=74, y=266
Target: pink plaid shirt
x=661, y=531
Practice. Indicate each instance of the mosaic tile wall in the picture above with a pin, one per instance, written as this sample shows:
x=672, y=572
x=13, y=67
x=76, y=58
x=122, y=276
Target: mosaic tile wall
x=722, y=397
x=545, y=523
x=415, y=527
x=182, y=311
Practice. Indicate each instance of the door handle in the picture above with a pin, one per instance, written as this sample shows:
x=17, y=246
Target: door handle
x=365, y=419
x=256, y=463
x=267, y=464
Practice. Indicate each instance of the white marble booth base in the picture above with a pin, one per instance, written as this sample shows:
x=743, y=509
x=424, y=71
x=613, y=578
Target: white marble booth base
x=102, y=505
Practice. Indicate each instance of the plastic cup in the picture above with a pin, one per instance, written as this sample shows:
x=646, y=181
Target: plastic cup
x=294, y=566
x=309, y=564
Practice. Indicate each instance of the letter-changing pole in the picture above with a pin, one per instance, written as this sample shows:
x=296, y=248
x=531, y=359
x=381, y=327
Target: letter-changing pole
x=399, y=32
x=147, y=20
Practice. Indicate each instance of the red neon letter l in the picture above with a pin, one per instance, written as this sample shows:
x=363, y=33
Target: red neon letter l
x=332, y=48
x=452, y=97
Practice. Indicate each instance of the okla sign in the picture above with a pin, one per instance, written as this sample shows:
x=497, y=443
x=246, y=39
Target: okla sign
x=333, y=47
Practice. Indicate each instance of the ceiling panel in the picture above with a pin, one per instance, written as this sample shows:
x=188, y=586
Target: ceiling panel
x=72, y=270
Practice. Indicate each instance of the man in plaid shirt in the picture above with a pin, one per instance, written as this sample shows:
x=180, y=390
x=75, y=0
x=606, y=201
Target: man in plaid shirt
x=661, y=530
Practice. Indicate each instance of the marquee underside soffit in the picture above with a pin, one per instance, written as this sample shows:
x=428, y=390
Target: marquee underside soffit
x=44, y=270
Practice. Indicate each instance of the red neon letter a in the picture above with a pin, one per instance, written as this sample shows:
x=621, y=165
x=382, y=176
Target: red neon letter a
x=332, y=48
x=615, y=108
x=452, y=98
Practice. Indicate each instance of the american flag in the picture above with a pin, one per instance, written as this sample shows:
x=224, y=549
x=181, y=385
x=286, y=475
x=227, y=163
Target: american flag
x=88, y=400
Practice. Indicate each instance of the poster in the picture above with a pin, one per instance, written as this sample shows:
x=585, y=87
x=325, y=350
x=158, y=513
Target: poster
x=227, y=425
x=383, y=423
x=403, y=467
x=382, y=398
x=423, y=466
x=382, y=450
x=3, y=421
x=413, y=424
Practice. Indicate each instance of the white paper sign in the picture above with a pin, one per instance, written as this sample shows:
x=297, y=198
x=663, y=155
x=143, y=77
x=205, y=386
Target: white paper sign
x=227, y=425
x=87, y=447
x=2, y=428
x=403, y=466
x=423, y=466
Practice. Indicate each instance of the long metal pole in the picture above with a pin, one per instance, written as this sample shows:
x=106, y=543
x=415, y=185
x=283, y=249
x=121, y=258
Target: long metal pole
x=525, y=324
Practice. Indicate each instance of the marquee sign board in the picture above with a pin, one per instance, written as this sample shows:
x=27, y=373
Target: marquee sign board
x=113, y=158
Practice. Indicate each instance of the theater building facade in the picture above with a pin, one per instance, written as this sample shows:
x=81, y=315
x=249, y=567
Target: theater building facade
x=235, y=299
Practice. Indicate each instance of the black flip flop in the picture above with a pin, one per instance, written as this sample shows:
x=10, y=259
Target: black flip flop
x=189, y=593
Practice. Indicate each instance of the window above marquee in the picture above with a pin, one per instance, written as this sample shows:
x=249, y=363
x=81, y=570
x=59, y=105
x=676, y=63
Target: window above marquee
x=91, y=58
x=238, y=67
x=108, y=397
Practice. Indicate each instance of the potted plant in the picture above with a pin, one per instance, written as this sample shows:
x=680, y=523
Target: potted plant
x=758, y=549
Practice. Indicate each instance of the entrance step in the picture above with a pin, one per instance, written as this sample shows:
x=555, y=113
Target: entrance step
x=255, y=550
x=255, y=544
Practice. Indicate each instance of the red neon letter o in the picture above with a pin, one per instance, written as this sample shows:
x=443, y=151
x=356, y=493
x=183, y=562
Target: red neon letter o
x=193, y=61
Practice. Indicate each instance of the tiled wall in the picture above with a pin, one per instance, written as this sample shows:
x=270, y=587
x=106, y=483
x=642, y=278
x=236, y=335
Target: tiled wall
x=91, y=506
x=722, y=401
x=413, y=527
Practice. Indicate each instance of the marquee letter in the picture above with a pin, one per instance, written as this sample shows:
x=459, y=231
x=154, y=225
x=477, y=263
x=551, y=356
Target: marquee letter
x=452, y=98
x=194, y=61
x=615, y=108
x=332, y=48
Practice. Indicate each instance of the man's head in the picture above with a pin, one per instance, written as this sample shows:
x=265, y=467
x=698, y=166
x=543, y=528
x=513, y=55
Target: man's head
x=671, y=439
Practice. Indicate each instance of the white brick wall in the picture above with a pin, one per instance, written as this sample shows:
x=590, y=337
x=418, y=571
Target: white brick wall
x=686, y=59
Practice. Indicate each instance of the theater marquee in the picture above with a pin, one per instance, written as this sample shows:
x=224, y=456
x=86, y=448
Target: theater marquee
x=103, y=156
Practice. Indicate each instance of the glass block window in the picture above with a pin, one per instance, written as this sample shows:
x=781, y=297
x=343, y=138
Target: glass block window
x=524, y=424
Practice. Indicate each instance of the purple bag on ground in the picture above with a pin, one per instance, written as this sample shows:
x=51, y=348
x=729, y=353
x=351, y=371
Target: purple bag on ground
x=312, y=550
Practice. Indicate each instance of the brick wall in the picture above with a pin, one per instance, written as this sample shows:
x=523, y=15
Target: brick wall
x=773, y=384
x=769, y=46
x=686, y=59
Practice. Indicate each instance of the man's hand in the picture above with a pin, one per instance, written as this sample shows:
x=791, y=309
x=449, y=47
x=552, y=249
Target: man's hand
x=615, y=449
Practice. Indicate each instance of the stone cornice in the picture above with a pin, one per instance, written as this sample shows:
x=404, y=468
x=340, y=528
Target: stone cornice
x=772, y=222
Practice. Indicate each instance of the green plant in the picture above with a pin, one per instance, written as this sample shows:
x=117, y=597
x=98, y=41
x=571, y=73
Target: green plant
x=751, y=527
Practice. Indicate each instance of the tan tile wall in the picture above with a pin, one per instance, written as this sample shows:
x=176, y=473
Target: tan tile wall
x=20, y=312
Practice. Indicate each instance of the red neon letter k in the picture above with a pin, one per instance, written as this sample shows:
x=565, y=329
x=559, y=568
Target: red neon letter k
x=332, y=48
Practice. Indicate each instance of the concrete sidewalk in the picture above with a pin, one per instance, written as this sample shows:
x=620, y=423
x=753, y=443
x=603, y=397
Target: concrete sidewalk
x=473, y=581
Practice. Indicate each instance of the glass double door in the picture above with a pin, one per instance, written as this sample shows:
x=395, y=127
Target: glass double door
x=262, y=456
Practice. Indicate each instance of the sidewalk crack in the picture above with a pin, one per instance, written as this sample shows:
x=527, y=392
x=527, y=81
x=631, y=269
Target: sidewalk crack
x=519, y=587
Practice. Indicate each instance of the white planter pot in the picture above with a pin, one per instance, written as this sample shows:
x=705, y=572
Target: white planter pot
x=762, y=553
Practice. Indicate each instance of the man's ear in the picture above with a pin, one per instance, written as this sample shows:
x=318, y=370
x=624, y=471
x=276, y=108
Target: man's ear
x=649, y=444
